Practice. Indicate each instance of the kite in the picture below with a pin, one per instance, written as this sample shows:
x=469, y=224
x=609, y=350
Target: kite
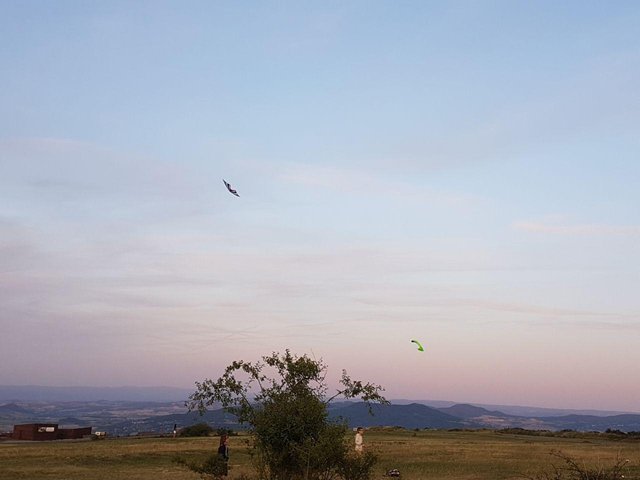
x=229, y=188
x=419, y=346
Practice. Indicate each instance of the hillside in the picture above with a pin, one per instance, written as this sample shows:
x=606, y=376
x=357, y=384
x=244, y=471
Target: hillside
x=414, y=415
x=165, y=423
x=626, y=423
x=464, y=410
x=14, y=409
x=125, y=418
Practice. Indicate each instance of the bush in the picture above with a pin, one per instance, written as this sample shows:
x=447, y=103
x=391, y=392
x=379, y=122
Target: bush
x=357, y=466
x=213, y=466
x=571, y=470
x=197, y=430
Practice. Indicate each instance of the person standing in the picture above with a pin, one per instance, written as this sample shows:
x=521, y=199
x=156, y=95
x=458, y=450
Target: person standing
x=359, y=440
x=223, y=453
x=175, y=430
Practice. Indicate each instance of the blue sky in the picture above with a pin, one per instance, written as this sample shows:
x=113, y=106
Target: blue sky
x=464, y=173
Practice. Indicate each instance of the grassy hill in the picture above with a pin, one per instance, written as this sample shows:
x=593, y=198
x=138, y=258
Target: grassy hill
x=434, y=455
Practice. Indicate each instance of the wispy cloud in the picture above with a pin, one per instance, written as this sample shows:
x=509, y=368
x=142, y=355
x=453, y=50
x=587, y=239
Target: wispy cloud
x=535, y=309
x=62, y=166
x=362, y=182
x=633, y=325
x=577, y=229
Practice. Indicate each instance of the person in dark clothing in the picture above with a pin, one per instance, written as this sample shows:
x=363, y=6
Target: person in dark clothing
x=223, y=453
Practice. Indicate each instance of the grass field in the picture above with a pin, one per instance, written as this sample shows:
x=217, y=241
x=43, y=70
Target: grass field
x=437, y=455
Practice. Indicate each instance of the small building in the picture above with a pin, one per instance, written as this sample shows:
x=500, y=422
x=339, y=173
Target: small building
x=67, y=433
x=35, y=431
x=47, y=431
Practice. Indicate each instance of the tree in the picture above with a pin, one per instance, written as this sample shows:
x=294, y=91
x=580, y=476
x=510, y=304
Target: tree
x=287, y=413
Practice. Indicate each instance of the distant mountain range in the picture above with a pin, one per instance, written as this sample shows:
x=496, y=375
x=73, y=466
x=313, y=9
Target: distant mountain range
x=417, y=415
x=407, y=416
x=39, y=393
x=414, y=415
x=470, y=411
x=126, y=418
x=518, y=410
x=127, y=410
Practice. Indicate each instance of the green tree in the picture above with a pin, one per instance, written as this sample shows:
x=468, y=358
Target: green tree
x=287, y=413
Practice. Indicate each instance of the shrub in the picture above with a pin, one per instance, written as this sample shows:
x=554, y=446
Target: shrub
x=571, y=470
x=197, y=430
x=213, y=466
x=357, y=466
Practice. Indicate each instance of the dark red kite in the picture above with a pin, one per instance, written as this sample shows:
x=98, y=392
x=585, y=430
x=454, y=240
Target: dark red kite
x=229, y=188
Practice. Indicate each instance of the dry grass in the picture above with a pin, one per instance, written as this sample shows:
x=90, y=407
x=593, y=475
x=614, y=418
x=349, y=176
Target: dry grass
x=434, y=455
x=487, y=455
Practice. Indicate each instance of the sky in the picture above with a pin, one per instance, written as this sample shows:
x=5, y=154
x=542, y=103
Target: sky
x=463, y=173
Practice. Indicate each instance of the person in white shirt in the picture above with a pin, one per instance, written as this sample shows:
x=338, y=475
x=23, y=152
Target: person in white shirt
x=359, y=440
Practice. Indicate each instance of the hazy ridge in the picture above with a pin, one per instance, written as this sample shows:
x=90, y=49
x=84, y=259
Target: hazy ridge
x=127, y=410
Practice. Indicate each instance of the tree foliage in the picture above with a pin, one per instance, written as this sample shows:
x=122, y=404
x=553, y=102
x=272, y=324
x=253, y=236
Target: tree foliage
x=284, y=400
